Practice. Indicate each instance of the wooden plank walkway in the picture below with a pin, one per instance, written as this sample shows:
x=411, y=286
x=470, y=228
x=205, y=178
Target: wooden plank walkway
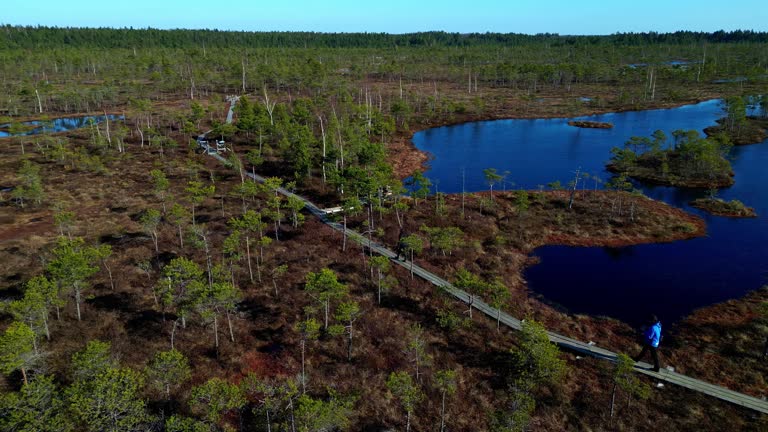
x=564, y=342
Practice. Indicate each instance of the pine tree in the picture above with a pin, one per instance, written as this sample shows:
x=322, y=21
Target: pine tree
x=150, y=221
x=401, y=385
x=324, y=287
x=72, y=264
x=168, y=369
x=30, y=188
x=498, y=295
x=160, y=186
x=625, y=378
x=537, y=360
x=18, y=350
x=347, y=313
x=472, y=284
x=38, y=406
x=215, y=398
x=318, y=415
x=95, y=359
x=445, y=381
x=309, y=329
x=32, y=309
x=197, y=193
x=110, y=401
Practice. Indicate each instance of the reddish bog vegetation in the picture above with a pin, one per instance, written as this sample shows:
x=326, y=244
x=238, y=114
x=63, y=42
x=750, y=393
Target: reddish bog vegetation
x=497, y=235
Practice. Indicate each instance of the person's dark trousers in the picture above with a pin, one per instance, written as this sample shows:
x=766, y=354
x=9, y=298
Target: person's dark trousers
x=654, y=355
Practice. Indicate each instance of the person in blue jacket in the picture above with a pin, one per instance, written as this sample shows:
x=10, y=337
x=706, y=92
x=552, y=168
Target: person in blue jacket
x=651, y=339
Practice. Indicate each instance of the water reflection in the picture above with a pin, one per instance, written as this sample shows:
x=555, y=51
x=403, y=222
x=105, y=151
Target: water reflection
x=619, y=252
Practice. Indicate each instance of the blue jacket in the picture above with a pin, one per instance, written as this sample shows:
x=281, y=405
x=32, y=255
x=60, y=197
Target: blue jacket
x=653, y=335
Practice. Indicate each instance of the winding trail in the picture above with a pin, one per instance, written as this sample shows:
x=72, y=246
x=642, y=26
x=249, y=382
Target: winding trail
x=564, y=342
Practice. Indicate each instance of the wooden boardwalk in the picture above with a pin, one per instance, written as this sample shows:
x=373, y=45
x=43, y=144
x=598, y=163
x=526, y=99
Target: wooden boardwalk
x=563, y=342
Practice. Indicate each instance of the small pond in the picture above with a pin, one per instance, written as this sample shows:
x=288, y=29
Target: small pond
x=60, y=124
x=628, y=283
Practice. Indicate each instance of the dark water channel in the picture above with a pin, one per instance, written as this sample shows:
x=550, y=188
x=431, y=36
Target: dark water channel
x=61, y=124
x=627, y=283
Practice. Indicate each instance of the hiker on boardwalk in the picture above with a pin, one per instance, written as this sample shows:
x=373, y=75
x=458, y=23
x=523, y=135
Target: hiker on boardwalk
x=400, y=245
x=651, y=339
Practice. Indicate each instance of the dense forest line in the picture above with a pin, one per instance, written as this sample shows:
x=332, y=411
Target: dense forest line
x=49, y=70
x=50, y=37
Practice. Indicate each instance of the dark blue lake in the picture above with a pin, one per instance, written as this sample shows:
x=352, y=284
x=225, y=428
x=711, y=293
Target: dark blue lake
x=56, y=125
x=670, y=280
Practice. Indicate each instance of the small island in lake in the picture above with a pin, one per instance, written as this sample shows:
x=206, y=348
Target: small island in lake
x=720, y=207
x=687, y=160
x=590, y=124
x=751, y=131
x=740, y=128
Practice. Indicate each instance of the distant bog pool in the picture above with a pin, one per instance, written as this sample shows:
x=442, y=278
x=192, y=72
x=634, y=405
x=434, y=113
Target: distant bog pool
x=670, y=280
x=60, y=124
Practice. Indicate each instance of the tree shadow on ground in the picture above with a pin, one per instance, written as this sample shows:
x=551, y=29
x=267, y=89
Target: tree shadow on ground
x=118, y=301
x=146, y=324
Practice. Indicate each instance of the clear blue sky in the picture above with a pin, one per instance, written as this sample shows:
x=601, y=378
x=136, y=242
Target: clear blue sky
x=398, y=16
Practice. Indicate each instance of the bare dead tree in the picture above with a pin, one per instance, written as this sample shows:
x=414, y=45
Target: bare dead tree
x=269, y=105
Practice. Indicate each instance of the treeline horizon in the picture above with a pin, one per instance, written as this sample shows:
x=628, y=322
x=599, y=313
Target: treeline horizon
x=107, y=37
